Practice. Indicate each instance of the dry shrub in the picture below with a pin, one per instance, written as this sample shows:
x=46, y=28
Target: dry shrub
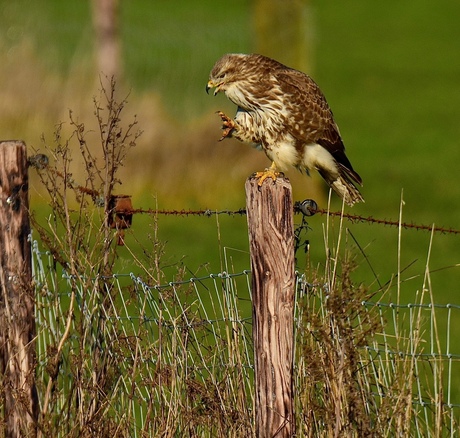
x=81, y=242
x=333, y=394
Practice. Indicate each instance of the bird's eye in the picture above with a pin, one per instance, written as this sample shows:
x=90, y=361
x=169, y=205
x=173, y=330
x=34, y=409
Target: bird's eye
x=221, y=76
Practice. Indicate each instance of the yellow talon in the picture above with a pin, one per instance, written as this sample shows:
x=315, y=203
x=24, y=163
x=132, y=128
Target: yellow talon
x=271, y=172
x=228, y=125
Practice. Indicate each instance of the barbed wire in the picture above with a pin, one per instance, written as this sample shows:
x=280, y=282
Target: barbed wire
x=308, y=207
x=310, y=212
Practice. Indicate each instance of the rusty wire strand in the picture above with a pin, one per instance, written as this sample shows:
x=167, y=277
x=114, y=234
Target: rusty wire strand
x=350, y=217
x=40, y=162
x=389, y=222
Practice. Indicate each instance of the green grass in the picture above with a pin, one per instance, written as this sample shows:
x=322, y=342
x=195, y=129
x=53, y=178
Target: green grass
x=390, y=72
x=171, y=47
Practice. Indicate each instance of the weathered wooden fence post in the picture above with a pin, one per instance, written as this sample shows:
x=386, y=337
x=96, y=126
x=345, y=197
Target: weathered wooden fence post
x=271, y=242
x=17, y=320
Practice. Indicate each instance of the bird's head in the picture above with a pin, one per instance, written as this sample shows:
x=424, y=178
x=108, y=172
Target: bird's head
x=225, y=72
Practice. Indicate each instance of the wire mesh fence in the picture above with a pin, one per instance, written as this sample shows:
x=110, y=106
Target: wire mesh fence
x=426, y=353
x=177, y=359
x=179, y=351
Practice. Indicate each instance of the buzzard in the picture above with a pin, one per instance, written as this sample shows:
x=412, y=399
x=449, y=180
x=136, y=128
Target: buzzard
x=283, y=112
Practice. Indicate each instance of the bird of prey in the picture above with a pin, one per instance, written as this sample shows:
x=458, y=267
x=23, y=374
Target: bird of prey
x=283, y=112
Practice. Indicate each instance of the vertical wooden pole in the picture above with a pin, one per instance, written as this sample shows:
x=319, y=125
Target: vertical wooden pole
x=17, y=321
x=105, y=15
x=271, y=242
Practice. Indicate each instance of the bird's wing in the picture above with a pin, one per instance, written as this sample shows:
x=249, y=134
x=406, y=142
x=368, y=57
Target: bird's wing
x=313, y=115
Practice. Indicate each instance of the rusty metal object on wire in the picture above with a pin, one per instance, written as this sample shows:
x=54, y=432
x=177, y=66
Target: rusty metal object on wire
x=120, y=215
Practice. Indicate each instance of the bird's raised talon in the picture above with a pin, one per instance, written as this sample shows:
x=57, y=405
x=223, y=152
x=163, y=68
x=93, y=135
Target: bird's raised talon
x=228, y=125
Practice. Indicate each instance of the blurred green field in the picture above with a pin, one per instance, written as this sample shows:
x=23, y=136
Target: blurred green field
x=390, y=72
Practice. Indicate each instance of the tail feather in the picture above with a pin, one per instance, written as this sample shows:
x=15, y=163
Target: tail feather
x=343, y=183
x=346, y=190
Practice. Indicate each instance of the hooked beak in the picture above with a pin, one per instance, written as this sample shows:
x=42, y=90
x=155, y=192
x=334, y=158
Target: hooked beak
x=210, y=85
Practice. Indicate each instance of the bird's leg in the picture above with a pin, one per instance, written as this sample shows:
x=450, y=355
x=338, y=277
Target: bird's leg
x=228, y=125
x=271, y=172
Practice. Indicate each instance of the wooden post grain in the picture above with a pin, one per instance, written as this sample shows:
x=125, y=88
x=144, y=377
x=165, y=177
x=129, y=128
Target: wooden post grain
x=17, y=321
x=271, y=242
